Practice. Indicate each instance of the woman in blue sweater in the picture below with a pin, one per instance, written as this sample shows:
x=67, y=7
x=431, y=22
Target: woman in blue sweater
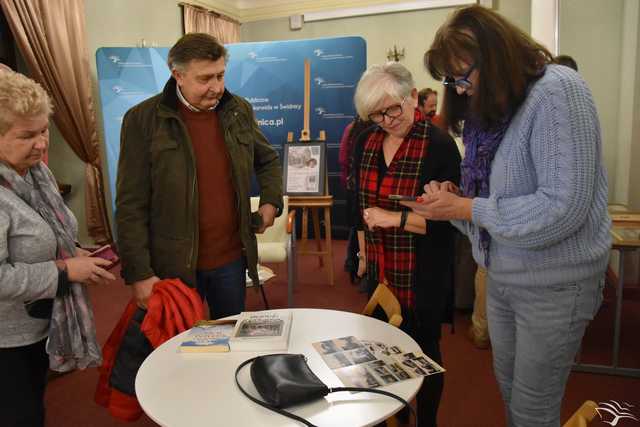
x=533, y=200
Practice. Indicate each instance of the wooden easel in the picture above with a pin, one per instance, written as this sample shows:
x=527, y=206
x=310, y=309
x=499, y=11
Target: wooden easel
x=314, y=203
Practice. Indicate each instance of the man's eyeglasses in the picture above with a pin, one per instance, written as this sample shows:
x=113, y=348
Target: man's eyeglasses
x=392, y=112
x=462, y=83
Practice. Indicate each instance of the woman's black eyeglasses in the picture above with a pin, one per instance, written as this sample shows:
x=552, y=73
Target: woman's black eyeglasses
x=392, y=112
x=462, y=83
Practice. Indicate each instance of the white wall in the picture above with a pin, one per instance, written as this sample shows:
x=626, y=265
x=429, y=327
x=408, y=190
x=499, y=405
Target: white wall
x=591, y=31
x=412, y=31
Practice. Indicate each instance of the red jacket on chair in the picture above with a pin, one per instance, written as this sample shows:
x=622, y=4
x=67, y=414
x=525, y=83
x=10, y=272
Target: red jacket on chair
x=172, y=308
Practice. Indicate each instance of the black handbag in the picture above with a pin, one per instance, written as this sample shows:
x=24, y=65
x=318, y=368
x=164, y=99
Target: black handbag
x=284, y=380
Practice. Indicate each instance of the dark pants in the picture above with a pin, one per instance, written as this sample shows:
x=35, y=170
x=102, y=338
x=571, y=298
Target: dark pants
x=24, y=377
x=351, y=259
x=429, y=395
x=224, y=288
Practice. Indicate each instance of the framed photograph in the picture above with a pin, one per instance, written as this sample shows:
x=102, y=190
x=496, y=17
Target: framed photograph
x=304, y=168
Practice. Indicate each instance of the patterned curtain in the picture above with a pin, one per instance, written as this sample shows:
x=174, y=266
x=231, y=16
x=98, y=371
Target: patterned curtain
x=199, y=20
x=51, y=37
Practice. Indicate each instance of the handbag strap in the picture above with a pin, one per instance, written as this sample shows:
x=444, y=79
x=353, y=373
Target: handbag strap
x=331, y=390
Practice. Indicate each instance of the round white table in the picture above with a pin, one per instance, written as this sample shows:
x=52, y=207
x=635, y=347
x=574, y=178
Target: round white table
x=182, y=390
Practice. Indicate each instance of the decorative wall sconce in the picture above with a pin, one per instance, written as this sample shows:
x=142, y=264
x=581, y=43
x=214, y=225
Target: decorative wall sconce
x=395, y=54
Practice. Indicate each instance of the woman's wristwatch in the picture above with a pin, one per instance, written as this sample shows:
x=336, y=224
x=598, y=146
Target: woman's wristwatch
x=360, y=256
x=403, y=219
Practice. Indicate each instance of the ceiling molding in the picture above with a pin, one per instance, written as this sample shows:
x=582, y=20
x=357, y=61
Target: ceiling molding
x=258, y=10
x=405, y=6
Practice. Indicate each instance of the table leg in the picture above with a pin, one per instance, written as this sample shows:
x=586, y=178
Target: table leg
x=305, y=226
x=613, y=369
x=291, y=267
x=316, y=233
x=328, y=243
x=616, y=328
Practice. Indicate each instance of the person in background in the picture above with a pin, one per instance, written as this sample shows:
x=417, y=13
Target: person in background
x=567, y=61
x=479, y=330
x=355, y=254
x=428, y=102
x=184, y=177
x=533, y=201
x=345, y=156
x=428, y=105
x=412, y=256
x=39, y=260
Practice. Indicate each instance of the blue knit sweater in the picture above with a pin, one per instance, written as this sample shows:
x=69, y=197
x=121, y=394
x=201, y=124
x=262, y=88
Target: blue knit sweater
x=547, y=209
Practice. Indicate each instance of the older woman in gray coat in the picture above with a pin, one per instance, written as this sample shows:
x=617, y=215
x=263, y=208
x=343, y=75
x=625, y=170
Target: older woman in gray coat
x=45, y=319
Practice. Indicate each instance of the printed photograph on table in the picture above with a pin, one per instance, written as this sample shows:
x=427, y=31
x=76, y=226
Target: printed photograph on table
x=305, y=169
x=357, y=376
x=345, y=351
x=360, y=355
x=373, y=364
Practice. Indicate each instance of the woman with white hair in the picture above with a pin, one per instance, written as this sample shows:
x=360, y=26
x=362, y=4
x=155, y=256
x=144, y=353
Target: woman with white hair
x=412, y=255
x=40, y=267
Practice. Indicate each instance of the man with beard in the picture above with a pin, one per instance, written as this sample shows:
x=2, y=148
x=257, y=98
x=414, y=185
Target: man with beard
x=428, y=104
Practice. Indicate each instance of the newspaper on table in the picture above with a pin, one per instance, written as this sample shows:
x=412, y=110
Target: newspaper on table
x=372, y=364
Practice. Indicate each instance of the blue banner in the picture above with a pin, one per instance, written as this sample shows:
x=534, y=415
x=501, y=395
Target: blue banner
x=270, y=75
x=126, y=77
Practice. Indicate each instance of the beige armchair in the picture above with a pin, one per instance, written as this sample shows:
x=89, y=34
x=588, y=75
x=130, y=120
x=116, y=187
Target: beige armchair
x=277, y=243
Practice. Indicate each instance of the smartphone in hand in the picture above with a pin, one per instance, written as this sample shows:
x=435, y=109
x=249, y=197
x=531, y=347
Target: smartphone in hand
x=109, y=253
x=403, y=198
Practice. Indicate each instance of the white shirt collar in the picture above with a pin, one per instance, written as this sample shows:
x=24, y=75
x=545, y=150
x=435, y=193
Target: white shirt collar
x=188, y=105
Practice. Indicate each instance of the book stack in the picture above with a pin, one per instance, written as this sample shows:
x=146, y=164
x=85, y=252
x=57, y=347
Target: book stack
x=261, y=331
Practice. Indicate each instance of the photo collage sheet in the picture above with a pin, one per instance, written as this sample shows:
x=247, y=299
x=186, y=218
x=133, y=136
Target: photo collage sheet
x=372, y=364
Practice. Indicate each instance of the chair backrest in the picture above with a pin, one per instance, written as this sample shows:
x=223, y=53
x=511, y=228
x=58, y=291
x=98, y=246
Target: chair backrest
x=277, y=232
x=384, y=298
x=583, y=416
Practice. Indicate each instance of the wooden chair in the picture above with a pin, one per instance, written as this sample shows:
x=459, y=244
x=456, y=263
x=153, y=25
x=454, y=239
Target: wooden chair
x=384, y=298
x=583, y=416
